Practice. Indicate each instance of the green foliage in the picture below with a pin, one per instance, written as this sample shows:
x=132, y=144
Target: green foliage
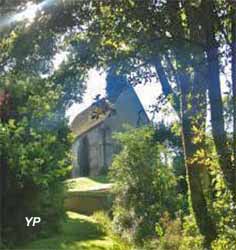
x=35, y=142
x=105, y=225
x=144, y=187
x=226, y=241
x=170, y=236
x=223, y=205
x=170, y=137
x=191, y=239
x=176, y=234
x=116, y=31
x=223, y=209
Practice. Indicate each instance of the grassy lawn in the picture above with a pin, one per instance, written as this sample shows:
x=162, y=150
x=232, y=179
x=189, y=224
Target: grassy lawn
x=79, y=232
x=84, y=184
x=87, y=195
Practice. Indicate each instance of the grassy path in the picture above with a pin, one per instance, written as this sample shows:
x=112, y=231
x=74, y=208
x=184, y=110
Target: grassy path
x=79, y=232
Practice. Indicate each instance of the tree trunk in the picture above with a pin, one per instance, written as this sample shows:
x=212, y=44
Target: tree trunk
x=3, y=175
x=194, y=169
x=191, y=108
x=199, y=89
x=166, y=87
x=215, y=98
x=5, y=110
x=194, y=166
x=233, y=70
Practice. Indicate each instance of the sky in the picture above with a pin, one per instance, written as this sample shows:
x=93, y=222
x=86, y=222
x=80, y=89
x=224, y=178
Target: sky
x=96, y=85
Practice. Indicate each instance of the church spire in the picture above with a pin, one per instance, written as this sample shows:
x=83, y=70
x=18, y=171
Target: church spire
x=116, y=82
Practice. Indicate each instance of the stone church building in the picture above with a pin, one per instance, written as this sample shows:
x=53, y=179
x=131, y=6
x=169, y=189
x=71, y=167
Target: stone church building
x=94, y=146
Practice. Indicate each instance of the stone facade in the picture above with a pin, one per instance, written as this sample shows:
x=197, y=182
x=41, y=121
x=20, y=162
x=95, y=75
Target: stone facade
x=94, y=146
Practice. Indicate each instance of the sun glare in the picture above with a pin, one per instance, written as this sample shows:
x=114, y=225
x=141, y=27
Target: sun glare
x=28, y=14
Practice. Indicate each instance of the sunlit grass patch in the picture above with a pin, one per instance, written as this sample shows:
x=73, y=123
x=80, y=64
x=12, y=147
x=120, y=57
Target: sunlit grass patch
x=83, y=184
x=79, y=232
x=87, y=195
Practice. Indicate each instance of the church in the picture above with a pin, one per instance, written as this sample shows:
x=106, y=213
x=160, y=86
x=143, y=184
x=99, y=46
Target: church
x=94, y=146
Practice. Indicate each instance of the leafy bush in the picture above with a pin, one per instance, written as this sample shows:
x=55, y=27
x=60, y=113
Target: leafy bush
x=174, y=234
x=144, y=187
x=169, y=234
x=35, y=142
x=225, y=241
x=106, y=227
x=191, y=238
x=224, y=210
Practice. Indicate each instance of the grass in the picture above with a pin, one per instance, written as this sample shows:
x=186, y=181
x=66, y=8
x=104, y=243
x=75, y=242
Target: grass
x=84, y=184
x=79, y=232
x=88, y=194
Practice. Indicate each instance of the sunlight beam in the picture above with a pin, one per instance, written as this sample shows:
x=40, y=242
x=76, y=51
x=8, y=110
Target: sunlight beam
x=27, y=15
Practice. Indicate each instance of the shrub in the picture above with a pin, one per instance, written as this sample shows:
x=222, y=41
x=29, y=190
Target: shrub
x=226, y=241
x=169, y=234
x=144, y=187
x=224, y=211
x=35, y=143
x=174, y=234
x=191, y=238
x=105, y=225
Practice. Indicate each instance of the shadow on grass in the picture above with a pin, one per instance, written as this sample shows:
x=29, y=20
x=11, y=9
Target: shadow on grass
x=77, y=234
x=82, y=230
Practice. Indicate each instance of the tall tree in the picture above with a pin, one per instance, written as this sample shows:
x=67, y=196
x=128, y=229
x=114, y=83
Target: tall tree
x=219, y=132
x=233, y=75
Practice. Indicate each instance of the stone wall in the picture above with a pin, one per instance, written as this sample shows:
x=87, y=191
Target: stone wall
x=100, y=150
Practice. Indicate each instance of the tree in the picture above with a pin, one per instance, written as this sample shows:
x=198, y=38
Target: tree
x=215, y=97
x=233, y=76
